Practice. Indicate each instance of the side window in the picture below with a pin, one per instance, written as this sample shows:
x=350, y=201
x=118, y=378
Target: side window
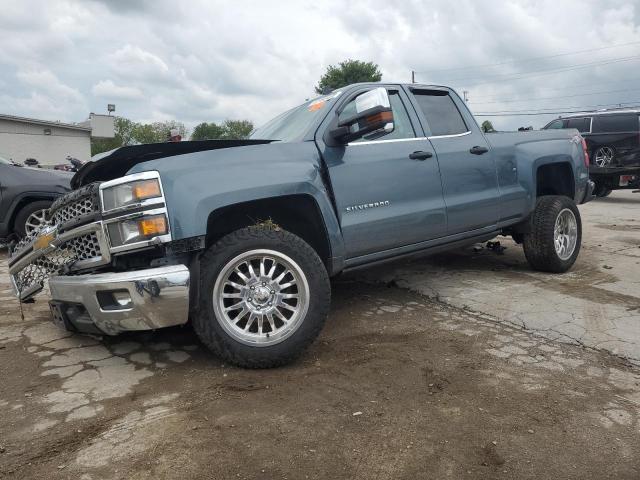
x=582, y=124
x=441, y=112
x=615, y=123
x=401, y=123
x=556, y=124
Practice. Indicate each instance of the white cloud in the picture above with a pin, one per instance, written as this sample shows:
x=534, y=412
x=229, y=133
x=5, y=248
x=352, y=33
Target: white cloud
x=208, y=60
x=46, y=81
x=133, y=61
x=108, y=89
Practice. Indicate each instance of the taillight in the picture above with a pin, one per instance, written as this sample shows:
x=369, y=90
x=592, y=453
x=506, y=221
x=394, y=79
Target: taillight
x=585, y=151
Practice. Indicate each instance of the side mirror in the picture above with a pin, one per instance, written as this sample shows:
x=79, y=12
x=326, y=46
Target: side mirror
x=372, y=117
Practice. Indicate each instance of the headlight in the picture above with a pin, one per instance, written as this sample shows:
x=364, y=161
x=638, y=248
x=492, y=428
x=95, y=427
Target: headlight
x=137, y=229
x=130, y=193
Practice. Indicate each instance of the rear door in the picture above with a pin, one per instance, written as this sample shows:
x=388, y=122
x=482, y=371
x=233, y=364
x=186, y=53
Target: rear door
x=618, y=132
x=467, y=166
x=386, y=195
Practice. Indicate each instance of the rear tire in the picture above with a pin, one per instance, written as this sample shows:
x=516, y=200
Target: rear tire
x=30, y=217
x=601, y=191
x=555, y=234
x=280, y=321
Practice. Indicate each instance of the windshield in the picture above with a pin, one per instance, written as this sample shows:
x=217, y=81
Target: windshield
x=292, y=125
x=4, y=161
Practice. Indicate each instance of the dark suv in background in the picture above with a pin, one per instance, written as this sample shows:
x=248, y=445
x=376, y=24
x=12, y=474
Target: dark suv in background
x=613, y=140
x=25, y=195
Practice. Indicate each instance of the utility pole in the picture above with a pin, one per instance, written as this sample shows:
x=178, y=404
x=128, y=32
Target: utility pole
x=465, y=94
x=413, y=76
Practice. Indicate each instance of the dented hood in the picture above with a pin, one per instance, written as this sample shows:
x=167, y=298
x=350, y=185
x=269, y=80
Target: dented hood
x=116, y=163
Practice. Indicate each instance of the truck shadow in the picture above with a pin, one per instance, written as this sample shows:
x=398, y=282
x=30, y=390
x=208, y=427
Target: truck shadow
x=614, y=200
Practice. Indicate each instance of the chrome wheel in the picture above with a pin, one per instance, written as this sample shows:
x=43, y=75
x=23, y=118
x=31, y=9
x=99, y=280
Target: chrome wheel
x=604, y=156
x=35, y=221
x=565, y=234
x=261, y=297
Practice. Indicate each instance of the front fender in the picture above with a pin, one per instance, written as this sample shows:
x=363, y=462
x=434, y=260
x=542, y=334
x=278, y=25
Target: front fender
x=197, y=184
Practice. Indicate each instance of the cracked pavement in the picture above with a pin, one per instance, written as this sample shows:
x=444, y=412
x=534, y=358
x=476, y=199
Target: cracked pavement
x=486, y=378
x=596, y=304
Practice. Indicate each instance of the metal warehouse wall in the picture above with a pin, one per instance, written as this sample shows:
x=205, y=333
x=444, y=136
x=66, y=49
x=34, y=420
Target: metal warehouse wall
x=19, y=140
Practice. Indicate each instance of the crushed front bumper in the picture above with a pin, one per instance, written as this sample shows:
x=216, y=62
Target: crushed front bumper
x=111, y=303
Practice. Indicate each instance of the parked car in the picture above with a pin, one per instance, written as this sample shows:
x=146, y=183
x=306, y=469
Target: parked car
x=243, y=235
x=613, y=140
x=31, y=162
x=25, y=195
x=72, y=165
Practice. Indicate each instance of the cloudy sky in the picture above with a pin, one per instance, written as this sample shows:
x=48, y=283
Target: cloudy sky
x=206, y=60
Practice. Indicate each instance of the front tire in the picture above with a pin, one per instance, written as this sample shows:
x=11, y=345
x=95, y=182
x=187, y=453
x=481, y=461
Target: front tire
x=555, y=234
x=264, y=297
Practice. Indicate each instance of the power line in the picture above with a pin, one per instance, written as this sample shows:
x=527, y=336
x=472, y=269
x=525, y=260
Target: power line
x=533, y=114
x=574, y=87
x=537, y=74
x=506, y=62
x=554, y=98
x=547, y=71
x=579, y=109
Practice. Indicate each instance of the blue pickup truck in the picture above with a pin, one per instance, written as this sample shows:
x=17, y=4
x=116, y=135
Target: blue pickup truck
x=242, y=236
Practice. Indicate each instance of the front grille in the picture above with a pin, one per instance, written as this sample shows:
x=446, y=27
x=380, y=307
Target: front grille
x=76, y=207
x=81, y=208
x=84, y=248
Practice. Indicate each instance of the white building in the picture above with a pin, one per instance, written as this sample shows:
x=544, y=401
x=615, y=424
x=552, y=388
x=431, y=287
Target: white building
x=50, y=142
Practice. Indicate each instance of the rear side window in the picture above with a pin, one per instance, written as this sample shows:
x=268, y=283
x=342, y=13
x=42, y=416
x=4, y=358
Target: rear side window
x=441, y=112
x=556, y=124
x=582, y=124
x=615, y=123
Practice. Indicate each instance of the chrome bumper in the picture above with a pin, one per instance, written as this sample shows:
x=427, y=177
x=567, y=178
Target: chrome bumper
x=117, y=302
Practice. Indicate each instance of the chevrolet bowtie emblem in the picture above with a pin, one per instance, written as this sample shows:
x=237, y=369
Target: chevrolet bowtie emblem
x=44, y=240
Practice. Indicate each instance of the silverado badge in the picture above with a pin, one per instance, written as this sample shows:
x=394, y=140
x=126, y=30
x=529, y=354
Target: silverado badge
x=365, y=206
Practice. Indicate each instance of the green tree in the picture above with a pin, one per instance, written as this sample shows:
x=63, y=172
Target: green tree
x=123, y=135
x=228, y=130
x=487, y=127
x=157, y=132
x=207, y=131
x=145, y=133
x=237, y=129
x=346, y=73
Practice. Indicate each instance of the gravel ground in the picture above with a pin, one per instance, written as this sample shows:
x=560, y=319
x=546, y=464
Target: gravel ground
x=399, y=385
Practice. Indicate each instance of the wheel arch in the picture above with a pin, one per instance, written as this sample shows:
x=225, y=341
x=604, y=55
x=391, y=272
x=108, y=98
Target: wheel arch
x=555, y=178
x=299, y=214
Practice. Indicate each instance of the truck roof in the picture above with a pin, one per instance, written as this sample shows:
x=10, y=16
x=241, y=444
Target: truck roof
x=611, y=111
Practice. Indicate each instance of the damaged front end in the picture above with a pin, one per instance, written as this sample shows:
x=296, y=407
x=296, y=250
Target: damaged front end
x=72, y=240
x=102, y=252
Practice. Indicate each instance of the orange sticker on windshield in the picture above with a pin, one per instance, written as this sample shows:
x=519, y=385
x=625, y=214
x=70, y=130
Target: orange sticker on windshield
x=317, y=105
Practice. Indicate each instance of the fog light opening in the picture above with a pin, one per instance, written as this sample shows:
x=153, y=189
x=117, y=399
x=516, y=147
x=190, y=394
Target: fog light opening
x=114, y=299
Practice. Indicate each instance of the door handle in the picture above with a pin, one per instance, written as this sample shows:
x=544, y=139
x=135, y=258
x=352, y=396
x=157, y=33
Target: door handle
x=477, y=150
x=420, y=155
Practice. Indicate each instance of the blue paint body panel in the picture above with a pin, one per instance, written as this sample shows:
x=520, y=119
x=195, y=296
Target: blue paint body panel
x=375, y=201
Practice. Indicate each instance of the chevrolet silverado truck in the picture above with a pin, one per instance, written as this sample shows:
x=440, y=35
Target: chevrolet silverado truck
x=242, y=236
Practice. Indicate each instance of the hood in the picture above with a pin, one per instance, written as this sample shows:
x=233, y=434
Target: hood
x=42, y=176
x=49, y=173
x=116, y=163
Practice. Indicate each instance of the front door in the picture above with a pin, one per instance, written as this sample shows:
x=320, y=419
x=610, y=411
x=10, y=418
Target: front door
x=387, y=191
x=467, y=166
